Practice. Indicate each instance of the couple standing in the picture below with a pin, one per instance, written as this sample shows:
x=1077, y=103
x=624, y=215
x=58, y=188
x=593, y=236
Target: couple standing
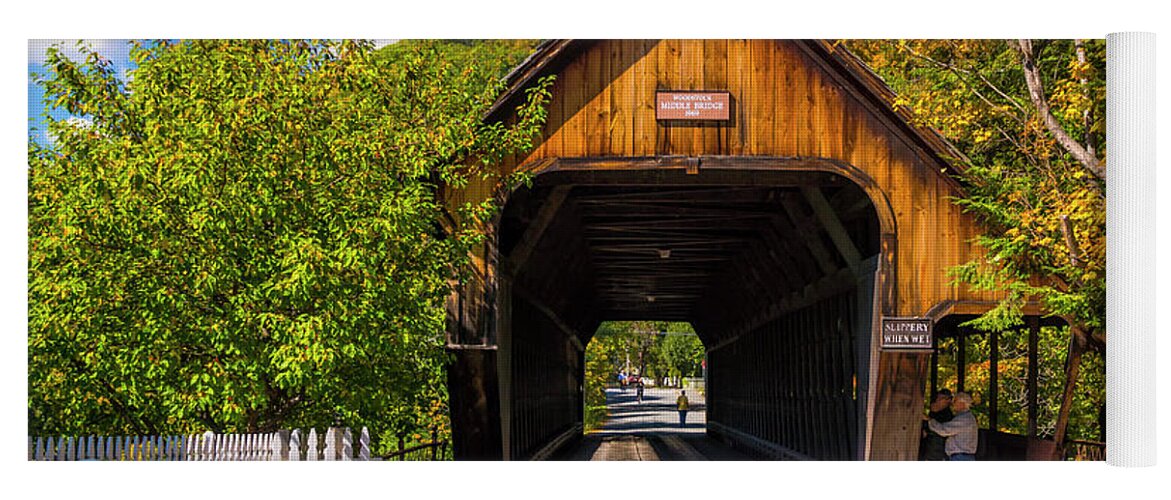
x=952, y=431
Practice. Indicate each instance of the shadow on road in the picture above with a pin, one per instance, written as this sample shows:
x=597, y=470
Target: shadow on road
x=650, y=430
x=656, y=413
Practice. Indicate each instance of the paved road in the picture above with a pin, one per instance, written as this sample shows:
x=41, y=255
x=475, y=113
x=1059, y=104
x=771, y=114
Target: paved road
x=650, y=430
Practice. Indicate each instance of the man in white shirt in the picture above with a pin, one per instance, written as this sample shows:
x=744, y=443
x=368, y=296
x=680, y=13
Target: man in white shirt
x=962, y=431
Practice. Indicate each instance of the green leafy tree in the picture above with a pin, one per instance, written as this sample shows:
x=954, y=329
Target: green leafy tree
x=681, y=354
x=244, y=236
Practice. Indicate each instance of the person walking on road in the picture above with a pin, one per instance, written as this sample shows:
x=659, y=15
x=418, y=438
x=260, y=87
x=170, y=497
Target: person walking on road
x=639, y=391
x=682, y=406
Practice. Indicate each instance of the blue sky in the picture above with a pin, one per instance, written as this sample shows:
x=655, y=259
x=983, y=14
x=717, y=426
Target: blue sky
x=117, y=51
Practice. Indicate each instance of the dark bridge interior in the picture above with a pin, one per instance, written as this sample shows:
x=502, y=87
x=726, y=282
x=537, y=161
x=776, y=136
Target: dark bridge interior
x=774, y=269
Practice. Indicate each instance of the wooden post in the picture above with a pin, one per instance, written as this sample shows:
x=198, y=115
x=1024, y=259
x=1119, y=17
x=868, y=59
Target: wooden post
x=347, y=445
x=331, y=444
x=207, y=446
x=474, y=394
x=1031, y=381
x=934, y=365
x=961, y=359
x=1073, y=363
x=364, y=445
x=1102, y=422
x=993, y=379
x=279, y=446
x=294, y=446
x=311, y=454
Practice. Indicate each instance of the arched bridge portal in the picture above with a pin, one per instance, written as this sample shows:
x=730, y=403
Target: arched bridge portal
x=784, y=232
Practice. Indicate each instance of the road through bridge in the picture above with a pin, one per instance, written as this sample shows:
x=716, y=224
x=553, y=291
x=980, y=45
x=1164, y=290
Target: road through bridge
x=649, y=430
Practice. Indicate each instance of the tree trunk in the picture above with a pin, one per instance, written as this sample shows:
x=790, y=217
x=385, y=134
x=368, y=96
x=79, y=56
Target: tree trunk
x=1077, y=346
x=1037, y=95
x=1088, y=114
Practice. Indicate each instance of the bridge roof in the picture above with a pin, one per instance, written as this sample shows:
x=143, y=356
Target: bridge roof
x=553, y=55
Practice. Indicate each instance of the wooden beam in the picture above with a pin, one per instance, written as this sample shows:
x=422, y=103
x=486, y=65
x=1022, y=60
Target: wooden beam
x=569, y=331
x=659, y=196
x=647, y=233
x=680, y=206
x=697, y=244
x=1031, y=377
x=789, y=242
x=977, y=307
x=773, y=262
x=816, y=248
x=961, y=359
x=692, y=224
x=811, y=294
x=779, y=250
x=520, y=254
x=833, y=226
x=993, y=379
x=934, y=366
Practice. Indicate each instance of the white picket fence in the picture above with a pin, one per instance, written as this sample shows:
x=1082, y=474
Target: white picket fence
x=337, y=444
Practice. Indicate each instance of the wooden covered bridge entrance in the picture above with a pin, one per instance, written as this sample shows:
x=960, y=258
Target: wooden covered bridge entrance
x=786, y=218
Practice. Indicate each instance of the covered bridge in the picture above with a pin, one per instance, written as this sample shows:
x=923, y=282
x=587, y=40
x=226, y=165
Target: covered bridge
x=766, y=191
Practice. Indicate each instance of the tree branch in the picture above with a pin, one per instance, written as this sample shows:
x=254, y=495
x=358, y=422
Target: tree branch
x=1088, y=114
x=961, y=71
x=1037, y=93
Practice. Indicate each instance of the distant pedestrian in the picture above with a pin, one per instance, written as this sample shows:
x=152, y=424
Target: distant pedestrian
x=639, y=389
x=682, y=406
x=622, y=380
x=962, y=432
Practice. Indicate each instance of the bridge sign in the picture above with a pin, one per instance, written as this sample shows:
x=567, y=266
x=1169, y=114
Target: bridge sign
x=906, y=333
x=693, y=105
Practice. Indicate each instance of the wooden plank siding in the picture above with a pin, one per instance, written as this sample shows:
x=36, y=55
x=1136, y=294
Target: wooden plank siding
x=785, y=106
x=789, y=103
